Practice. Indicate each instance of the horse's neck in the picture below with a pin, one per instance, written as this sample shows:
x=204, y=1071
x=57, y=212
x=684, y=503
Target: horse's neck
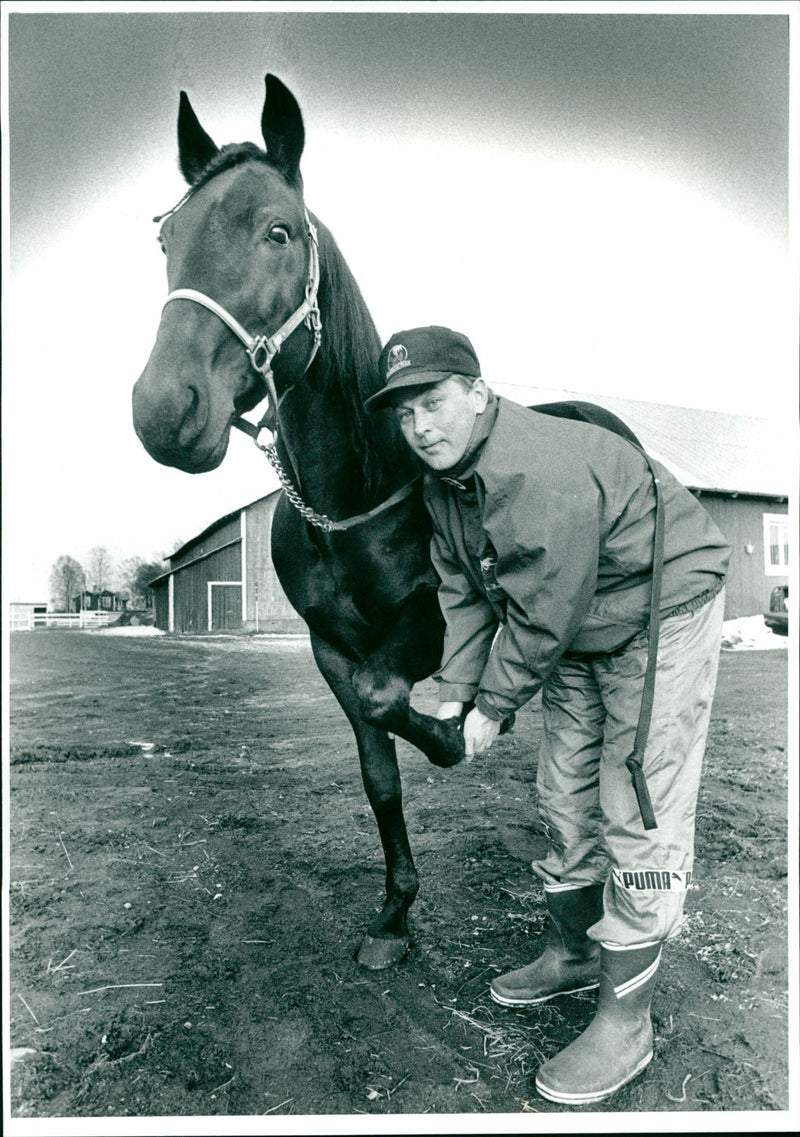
x=327, y=462
x=345, y=462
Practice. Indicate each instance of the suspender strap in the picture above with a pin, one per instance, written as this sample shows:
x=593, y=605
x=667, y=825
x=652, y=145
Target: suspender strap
x=634, y=763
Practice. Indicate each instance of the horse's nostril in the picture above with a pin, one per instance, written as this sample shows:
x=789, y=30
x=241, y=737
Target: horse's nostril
x=193, y=421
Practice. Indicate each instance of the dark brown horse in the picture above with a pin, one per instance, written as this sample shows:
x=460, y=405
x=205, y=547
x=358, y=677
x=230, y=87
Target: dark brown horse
x=262, y=304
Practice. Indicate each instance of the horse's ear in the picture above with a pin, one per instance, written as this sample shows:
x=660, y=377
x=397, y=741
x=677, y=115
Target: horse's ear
x=282, y=128
x=195, y=147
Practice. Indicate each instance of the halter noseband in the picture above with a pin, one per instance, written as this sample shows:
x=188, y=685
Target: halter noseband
x=261, y=350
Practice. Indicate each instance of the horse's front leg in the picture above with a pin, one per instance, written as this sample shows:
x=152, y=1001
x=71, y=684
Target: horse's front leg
x=387, y=938
x=410, y=652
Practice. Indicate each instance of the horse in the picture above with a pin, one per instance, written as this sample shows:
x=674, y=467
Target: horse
x=350, y=534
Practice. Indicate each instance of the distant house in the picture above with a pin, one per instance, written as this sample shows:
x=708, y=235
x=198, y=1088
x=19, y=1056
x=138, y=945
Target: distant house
x=740, y=467
x=223, y=579
x=103, y=601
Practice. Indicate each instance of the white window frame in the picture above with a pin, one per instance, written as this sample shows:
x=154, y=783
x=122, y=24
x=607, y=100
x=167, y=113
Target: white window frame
x=782, y=521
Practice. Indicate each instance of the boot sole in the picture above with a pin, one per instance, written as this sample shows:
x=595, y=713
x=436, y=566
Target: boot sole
x=511, y=1002
x=563, y=1098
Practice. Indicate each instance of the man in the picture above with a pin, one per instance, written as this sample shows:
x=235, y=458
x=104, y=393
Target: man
x=544, y=537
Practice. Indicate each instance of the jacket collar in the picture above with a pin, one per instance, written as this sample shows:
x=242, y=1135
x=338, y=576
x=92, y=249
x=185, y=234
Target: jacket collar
x=482, y=428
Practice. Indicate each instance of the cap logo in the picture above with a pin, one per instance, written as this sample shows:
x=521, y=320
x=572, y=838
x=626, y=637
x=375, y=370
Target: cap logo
x=398, y=358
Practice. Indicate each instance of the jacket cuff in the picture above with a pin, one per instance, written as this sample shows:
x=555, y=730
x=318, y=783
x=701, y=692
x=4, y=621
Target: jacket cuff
x=455, y=692
x=491, y=712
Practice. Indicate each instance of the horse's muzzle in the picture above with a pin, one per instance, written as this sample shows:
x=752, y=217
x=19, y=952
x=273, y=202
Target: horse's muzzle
x=175, y=426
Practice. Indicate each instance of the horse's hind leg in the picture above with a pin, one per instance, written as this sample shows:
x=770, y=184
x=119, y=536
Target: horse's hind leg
x=387, y=937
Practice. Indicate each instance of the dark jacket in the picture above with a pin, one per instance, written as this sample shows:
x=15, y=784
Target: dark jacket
x=550, y=539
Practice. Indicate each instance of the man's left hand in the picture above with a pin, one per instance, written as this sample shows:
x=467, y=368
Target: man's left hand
x=479, y=733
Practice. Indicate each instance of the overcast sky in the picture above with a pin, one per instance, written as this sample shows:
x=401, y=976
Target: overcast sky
x=598, y=200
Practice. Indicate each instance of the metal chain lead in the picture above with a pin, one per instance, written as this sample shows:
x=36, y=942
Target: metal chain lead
x=318, y=520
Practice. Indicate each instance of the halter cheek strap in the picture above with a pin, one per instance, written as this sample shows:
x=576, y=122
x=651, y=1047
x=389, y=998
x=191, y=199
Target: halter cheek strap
x=261, y=350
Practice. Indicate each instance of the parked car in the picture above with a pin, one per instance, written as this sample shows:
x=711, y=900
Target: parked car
x=777, y=617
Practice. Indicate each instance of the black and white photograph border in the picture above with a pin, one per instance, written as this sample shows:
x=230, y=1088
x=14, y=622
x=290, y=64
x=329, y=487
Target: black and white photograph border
x=603, y=197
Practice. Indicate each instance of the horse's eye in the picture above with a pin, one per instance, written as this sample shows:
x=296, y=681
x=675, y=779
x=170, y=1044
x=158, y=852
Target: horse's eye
x=162, y=244
x=279, y=235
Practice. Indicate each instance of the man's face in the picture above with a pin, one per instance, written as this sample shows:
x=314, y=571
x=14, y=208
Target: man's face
x=437, y=421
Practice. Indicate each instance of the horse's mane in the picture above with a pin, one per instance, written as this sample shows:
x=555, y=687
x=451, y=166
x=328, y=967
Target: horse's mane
x=349, y=354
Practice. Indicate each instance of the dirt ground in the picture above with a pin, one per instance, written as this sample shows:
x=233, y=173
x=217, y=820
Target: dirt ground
x=193, y=862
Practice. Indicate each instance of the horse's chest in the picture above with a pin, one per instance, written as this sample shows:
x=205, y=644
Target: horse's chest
x=348, y=584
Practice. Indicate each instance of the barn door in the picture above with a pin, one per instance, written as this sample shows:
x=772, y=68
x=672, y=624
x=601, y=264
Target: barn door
x=224, y=605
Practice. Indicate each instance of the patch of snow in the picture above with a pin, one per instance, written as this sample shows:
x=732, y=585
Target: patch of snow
x=750, y=633
x=127, y=630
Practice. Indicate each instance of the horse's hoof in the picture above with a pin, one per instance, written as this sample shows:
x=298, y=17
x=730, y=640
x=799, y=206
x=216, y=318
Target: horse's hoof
x=508, y=724
x=451, y=748
x=376, y=953
x=445, y=760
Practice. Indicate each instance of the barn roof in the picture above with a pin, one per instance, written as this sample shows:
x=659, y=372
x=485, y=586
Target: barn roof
x=705, y=450
x=209, y=529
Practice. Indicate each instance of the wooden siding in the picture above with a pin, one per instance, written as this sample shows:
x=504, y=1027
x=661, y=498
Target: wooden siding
x=161, y=599
x=741, y=519
x=228, y=531
x=225, y=602
x=268, y=609
x=191, y=586
x=216, y=557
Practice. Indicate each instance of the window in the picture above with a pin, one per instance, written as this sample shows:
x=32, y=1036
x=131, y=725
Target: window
x=776, y=544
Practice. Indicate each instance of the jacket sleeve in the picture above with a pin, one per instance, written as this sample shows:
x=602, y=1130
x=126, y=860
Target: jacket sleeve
x=547, y=568
x=470, y=626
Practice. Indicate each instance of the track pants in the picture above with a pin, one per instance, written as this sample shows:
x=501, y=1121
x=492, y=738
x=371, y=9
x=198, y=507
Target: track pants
x=586, y=798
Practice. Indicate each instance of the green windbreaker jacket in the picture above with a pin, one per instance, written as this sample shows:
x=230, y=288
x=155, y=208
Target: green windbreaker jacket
x=549, y=538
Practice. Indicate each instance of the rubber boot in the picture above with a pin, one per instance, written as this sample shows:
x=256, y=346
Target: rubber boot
x=570, y=961
x=618, y=1043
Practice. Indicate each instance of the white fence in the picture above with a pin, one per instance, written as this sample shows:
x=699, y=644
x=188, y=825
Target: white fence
x=27, y=621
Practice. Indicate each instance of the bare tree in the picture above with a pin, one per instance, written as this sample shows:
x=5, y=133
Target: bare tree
x=128, y=571
x=67, y=579
x=101, y=566
x=136, y=574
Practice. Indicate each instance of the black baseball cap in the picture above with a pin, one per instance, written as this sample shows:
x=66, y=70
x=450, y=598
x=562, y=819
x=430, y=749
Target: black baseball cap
x=421, y=357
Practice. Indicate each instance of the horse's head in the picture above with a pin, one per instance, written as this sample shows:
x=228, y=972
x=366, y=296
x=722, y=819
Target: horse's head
x=240, y=238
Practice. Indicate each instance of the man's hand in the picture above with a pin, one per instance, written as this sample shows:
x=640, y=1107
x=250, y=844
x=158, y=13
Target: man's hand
x=479, y=733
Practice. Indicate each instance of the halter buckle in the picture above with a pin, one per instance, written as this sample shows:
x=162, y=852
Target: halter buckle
x=313, y=322
x=264, y=366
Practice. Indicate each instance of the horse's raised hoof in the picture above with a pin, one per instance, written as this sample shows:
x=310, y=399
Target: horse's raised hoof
x=378, y=952
x=448, y=750
x=508, y=724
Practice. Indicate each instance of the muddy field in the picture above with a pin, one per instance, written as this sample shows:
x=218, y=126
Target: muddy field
x=193, y=862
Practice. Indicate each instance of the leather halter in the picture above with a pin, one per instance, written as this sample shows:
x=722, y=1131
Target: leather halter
x=261, y=350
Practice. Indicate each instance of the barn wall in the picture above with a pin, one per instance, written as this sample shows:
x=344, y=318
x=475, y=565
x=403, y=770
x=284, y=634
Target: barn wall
x=268, y=609
x=161, y=602
x=741, y=519
x=218, y=557
x=191, y=586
